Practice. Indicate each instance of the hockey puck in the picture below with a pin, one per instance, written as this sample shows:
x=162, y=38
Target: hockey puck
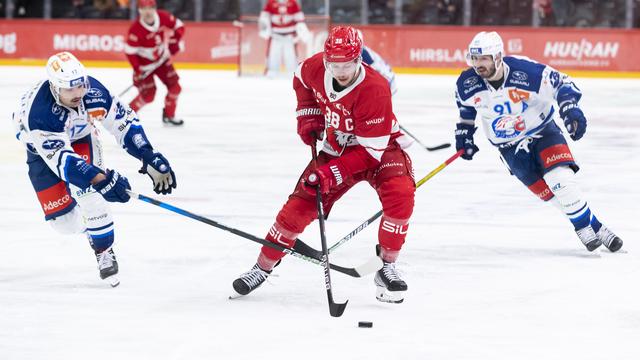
x=365, y=324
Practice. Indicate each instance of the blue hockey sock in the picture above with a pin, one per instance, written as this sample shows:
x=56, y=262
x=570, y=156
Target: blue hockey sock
x=595, y=224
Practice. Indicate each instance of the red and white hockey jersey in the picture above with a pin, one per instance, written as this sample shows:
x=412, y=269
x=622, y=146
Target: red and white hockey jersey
x=360, y=115
x=282, y=16
x=151, y=45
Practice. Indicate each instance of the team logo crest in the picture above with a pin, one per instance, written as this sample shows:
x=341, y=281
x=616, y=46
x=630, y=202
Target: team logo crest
x=508, y=126
x=56, y=109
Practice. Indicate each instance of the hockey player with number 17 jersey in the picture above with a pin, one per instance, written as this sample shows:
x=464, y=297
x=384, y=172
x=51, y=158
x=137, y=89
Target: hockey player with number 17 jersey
x=57, y=123
x=515, y=100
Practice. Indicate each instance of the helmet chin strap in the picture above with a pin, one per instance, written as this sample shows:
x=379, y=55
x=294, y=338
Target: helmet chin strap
x=499, y=73
x=55, y=92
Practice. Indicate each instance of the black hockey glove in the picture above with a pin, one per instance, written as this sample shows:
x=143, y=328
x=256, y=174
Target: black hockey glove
x=574, y=119
x=464, y=140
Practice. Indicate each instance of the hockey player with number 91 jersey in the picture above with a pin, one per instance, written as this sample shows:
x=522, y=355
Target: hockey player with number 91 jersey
x=515, y=99
x=351, y=102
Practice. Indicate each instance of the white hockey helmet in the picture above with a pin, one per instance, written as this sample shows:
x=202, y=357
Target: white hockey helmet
x=65, y=71
x=485, y=43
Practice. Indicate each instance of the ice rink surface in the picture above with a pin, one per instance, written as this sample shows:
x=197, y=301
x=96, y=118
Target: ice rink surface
x=493, y=273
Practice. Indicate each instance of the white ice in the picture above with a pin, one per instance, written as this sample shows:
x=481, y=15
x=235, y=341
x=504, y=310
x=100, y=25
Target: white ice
x=493, y=273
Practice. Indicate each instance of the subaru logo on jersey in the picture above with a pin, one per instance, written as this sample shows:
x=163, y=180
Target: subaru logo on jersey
x=52, y=144
x=94, y=93
x=475, y=51
x=56, y=109
x=470, y=82
x=508, y=126
x=519, y=75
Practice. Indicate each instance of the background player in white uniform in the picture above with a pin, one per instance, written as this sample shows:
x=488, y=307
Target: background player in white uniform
x=514, y=99
x=373, y=59
x=56, y=121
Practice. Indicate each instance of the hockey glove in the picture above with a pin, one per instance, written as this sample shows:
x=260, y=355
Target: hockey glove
x=574, y=119
x=157, y=167
x=114, y=187
x=310, y=125
x=325, y=177
x=464, y=140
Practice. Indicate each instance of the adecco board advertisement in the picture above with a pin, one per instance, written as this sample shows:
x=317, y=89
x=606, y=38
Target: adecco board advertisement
x=411, y=48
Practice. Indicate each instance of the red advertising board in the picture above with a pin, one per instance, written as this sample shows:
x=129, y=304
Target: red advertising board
x=445, y=47
x=408, y=48
x=105, y=40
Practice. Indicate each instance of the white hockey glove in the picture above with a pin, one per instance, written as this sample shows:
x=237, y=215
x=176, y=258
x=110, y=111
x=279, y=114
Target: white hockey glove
x=157, y=167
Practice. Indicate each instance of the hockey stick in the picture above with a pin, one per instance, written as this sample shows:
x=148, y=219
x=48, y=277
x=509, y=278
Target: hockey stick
x=146, y=74
x=428, y=148
x=335, y=309
x=379, y=213
x=301, y=250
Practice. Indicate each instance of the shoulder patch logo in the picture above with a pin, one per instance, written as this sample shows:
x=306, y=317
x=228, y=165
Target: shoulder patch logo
x=520, y=75
x=56, y=109
x=470, y=82
x=94, y=93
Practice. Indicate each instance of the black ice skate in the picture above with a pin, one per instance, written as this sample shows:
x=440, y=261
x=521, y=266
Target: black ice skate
x=610, y=240
x=390, y=287
x=108, y=266
x=589, y=238
x=249, y=281
x=171, y=120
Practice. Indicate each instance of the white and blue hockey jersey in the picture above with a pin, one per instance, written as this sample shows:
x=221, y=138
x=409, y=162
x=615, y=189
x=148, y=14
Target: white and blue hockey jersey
x=378, y=64
x=521, y=107
x=47, y=128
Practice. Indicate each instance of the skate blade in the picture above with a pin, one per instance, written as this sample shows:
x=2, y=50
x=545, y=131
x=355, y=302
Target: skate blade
x=235, y=295
x=391, y=297
x=112, y=280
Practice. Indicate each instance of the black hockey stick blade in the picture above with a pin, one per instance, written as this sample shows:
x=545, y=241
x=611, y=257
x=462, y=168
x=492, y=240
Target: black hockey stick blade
x=372, y=265
x=438, y=147
x=337, y=309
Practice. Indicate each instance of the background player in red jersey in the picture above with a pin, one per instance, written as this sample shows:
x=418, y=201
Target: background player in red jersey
x=282, y=23
x=339, y=94
x=153, y=38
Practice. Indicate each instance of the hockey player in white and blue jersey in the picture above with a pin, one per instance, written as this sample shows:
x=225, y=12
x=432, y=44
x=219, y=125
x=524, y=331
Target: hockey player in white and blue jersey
x=515, y=100
x=378, y=64
x=56, y=121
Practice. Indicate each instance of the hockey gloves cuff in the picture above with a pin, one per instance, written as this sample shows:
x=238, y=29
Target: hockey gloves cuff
x=157, y=167
x=325, y=177
x=574, y=119
x=464, y=140
x=114, y=187
x=310, y=125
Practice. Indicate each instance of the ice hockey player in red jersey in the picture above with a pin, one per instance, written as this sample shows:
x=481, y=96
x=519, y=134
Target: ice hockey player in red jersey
x=282, y=23
x=351, y=102
x=152, y=40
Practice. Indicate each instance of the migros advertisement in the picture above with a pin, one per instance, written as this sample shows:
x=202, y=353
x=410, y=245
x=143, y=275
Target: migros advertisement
x=409, y=48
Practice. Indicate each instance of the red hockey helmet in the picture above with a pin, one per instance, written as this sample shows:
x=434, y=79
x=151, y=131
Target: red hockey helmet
x=147, y=3
x=342, y=45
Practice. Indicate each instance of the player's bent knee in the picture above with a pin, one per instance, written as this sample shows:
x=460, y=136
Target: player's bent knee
x=560, y=179
x=148, y=95
x=397, y=196
x=175, y=89
x=69, y=223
